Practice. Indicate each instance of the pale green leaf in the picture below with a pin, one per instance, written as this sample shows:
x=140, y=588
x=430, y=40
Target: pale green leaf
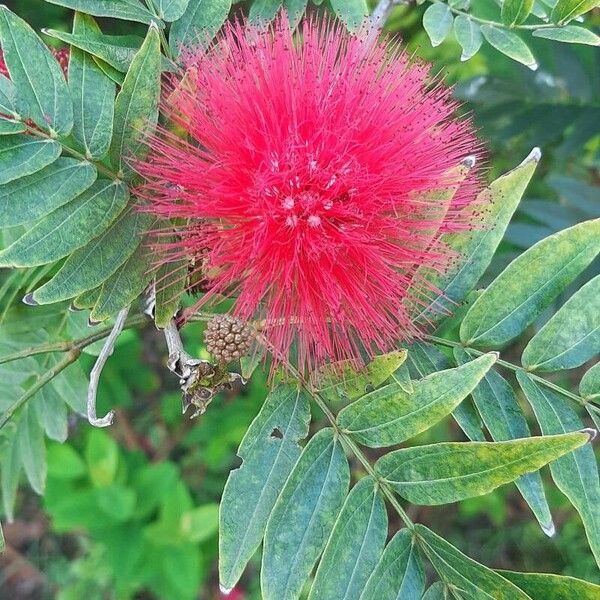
x=468, y=35
x=91, y=265
x=389, y=415
x=570, y=34
x=268, y=451
x=32, y=449
x=22, y=155
x=199, y=24
x=515, y=12
x=547, y=586
x=399, y=574
x=459, y=571
x=437, y=22
x=36, y=74
x=303, y=516
x=354, y=547
x=8, y=126
x=170, y=10
x=31, y=197
x=499, y=408
x=51, y=413
x=136, y=107
x=589, y=386
x=93, y=95
x=476, y=248
x=128, y=10
x=575, y=474
x=295, y=10
x=567, y=10
x=510, y=44
x=8, y=97
x=69, y=227
x=451, y=471
x=200, y=523
x=264, y=11
x=102, y=458
x=529, y=284
x=571, y=337
x=10, y=470
x=351, y=12
x=435, y=592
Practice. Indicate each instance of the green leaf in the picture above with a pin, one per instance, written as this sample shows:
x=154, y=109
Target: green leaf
x=118, y=51
x=571, y=337
x=264, y=11
x=64, y=462
x=354, y=547
x=351, y=12
x=10, y=470
x=437, y=22
x=567, y=10
x=390, y=416
x=575, y=474
x=51, y=413
x=36, y=74
x=570, y=34
x=269, y=452
x=499, y=408
x=342, y=380
x=553, y=587
x=510, y=44
x=31, y=197
x=171, y=280
x=69, y=227
x=22, y=155
x=200, y=523
x=399, y=574
x=8, y=127
x=468, y=35
x=91, y=265
x=125, y=284
x=425, y=359
x=303, y=516
x=589, y=386
x=93, y=95
x=32, y=449
x=515, y=12
x=476, y=248
x=435, y=592
x=451, y=471
x=200, y=23
x=102, y=458
x=459, y=571
x=117, y=9
x=8, y=97
x=87, y=299
x=529, y=284
x=136, y=107
x=295, y=10
x=170, y=10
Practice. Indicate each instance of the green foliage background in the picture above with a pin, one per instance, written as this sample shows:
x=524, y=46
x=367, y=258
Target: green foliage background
x=146, y=491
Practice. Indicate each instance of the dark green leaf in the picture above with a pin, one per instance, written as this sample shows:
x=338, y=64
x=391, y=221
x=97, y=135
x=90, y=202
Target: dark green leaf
x=499, y=408
x=354, y=547
x=8, y=97
x=468, y=35
x=28, y=198
x=91, y=265
x=553, y=587
x=529, y=284
x=351, y=12
x=571, y=337
x=399, y=575
x=510, y=44
x=303, y=516
x=515, y=12
x=171, y=280
x=575, y=474
x=437, y=22
x=460, y=571
x=251, y=491
x=451, y=471
x=200, y=23
x=390, y=416
x=136, y=107
x=128, y=10
x=567, y=10
x=36, y=74
x=69, y=227
x=22, y=155
x=571, y=34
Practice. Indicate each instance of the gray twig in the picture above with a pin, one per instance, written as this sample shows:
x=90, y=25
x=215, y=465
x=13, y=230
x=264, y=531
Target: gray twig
x=107, y=350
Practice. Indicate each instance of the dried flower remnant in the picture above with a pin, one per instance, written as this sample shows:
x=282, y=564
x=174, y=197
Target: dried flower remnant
x=312, y=180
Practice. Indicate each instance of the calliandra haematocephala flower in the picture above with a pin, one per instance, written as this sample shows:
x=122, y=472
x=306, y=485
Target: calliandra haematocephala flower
x=309, y=182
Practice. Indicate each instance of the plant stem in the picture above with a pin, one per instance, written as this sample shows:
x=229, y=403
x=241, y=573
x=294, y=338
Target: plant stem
x=508, y=365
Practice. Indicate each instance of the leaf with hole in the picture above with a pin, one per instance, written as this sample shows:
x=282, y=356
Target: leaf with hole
x=452, y=471
x=354, y=547
x=529, y=284
x=304, y=516
x=252, y=490
x=389, y=415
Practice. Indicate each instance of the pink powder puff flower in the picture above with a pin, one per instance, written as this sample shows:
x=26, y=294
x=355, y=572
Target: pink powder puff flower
x=309, y=184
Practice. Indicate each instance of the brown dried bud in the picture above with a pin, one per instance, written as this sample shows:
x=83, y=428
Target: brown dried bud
x=228, y=338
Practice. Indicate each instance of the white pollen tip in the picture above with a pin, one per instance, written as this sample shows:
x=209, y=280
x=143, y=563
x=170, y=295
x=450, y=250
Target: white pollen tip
x=225, y=590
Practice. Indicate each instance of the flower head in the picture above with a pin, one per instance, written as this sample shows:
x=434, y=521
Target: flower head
x=311, y=184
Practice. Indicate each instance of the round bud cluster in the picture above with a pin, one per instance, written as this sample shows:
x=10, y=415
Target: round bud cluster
x=228, y=338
